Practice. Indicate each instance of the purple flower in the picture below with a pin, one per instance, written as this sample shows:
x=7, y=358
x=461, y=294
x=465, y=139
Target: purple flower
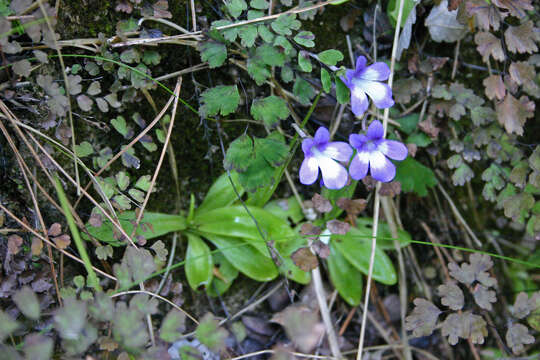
x=320, y=153
x=367, y=80
x=372, y=154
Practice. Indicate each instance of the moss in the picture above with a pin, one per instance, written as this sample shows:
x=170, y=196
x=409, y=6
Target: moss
x=86, y=18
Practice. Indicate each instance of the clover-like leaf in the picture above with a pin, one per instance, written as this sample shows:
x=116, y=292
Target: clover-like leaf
x=235, y=7
x=285, y=23
x=270, y=110
x=305, y=38
x=214, y=52
x=248, y=34
x=517, y=336
x=464, y=325
x=330, y=57
x=476, y=270
x=210, y=333
x=304, y=63
x=84, y=149
x=270, y=55
x=451, y=295
x=423, y=318
x=219, y=100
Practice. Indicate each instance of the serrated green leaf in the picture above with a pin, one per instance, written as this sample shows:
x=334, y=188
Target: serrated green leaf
x=122, y=180
x=239, y=154
x=414, y=176
x=235, y=7
x=229, y=34
x=345, y=277
x=287, y=47
x=326, y=80
x=270, y=55
x=273, y=148
x=138, y=195
x=258, y=70
x=330, y=57
x=151, y=57
x=259, y=4
x=130, y=56
x=254, y=14
x=173, y=326
x=143, y=183
x=265, y=33
x=270, y=110
x=248, y=34
x=215, y=53
x=285, y=23
x=303, y=90
x=287, y=74
x=305, y=38
x=304, y=62
x=122, y=202
x=343, y=93
x=199, y=265
x=220, y=99
x=211, y=334
x=84, y=149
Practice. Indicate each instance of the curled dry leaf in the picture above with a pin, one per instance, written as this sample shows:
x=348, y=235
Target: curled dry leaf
x=489, y=45
x=338, y=227
x=390, y=189
x=62, y=241
x=513, y=113
x=321, y=204
x=55, y=230
x=309, y=229
x=516, y=8
x=423, y=318
x=517, y=336
x=486, y=15
x=353, y=207
x=305, y=259
x=466, y=326
x=484, y=297
x=494, y=87
x=521, y=39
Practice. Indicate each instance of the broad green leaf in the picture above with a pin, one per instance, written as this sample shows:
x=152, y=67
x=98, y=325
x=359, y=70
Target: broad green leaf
x=270, y=110
x=357, y=249
x=214, y=52
x=414, y=176
x=420, y=139
x=342, y=92
x=303, y=90
x=393, y=11
x=330, y=57
x=220, y=99
x=235, y=7
x=384, y=235
x=270, y=55
x=345, y=277
x=199, y=264
x=326, y=80
x=221, y=193
x=285, y=23
x=409, y=122
x=286, y=209
x=225, y=275
x=248, y=34
x=304, y=62
x=305, y=38
x=152, y=225
x=239, y=154
x=244, y=257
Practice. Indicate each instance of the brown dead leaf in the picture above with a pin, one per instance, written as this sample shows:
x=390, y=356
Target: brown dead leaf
x=321, y=204
x=14, y=244
x=305, y=259
x=489, y=45
x=338, y=227
x=37, y=246
x=55, y=230
x=486, y=14
x=429, y=128
x=524, y=74
x=390, y=189
x=108, y=344
x=404, y=89
x=512, y=113
x=161, y=9
x=521, y=38
x=123, y=6
x=412, y=148
x=353, y=207
x=347, y=21
x=516, y=8
x=321, y=249
x=62, y=241
x=302, y=326
x=309, y=229
x=494, y=87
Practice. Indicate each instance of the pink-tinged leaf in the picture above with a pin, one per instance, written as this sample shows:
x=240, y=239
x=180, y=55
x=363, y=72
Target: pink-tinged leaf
x=338, y=227
x=302, y=326
x=512, y=113
x=62, y=241
x=451, y=295
x=517, y=336
x=524, y=74
x=321, y=204
x=521, y=39
x=494, y=87
x=516, y=8
x=353, y=207
x=305, y=259
x=423, y=319
x=55, y=230
x=489, y=45
x=486, y=14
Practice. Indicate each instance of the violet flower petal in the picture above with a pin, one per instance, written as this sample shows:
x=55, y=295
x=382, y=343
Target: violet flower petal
x=375, y=130
x=359, y=101
x=307, y=144
x=321, y=136
x=378, y=71
x=381, y=168
x=393, y=149
x=333, y=173
x=357, y=140
x=379, y=92
x=359, y=165
x=338, y=150
x=309, y=171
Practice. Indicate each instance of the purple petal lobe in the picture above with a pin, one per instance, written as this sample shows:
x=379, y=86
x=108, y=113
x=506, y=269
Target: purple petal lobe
x=380, y=93
x=360, y=63
x=309, y=171
x=381, y=168
x=307, y=144
x=375, y=130
x=334, y=175
x=357, y=140
x=359, y=165
x=321, y=136
x=338, y=150
x=376, y=72
x=359, y=101
x=393, y=149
